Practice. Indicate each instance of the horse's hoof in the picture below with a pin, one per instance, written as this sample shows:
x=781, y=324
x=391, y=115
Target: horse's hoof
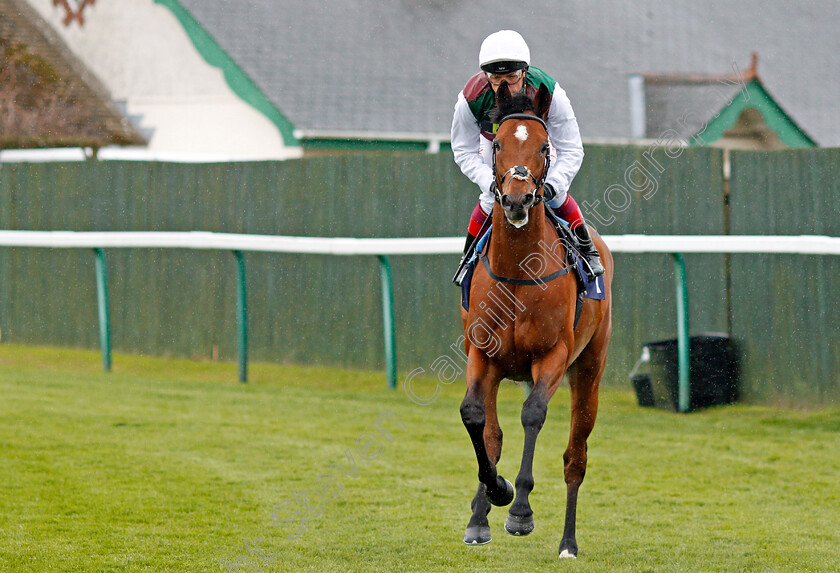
x=505, y=497
x=477, y=535
x=568, y=549
x=518, y=525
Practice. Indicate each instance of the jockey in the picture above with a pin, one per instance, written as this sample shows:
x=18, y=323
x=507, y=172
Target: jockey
x=504, y=56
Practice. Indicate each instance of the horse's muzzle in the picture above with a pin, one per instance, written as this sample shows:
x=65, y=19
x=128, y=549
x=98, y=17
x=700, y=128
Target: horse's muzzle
x=516, y=208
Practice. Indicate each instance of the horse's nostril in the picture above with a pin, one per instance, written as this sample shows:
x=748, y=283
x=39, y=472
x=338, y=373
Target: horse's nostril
x=505, y=201
x=526, y=200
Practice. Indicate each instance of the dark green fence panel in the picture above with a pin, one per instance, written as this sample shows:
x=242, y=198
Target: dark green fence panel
x=688, y=200
x=316, y=308
x=302, y=307
x=785, y=312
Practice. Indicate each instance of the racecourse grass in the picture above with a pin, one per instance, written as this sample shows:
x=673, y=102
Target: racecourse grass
x=171, y=465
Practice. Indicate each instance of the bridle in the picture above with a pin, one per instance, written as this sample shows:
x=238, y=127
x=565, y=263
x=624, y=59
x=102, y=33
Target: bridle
x=521, y=172
x=524, y=173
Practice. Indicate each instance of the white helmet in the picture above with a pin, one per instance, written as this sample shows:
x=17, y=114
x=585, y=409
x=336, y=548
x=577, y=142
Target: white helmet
x=503, y=52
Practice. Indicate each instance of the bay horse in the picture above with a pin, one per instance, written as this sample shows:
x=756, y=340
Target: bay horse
x=523, y=328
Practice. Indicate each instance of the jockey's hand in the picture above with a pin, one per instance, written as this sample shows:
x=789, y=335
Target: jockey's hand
x=548, y=192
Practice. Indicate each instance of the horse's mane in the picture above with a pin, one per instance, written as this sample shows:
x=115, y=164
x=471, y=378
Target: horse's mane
x=519, y=103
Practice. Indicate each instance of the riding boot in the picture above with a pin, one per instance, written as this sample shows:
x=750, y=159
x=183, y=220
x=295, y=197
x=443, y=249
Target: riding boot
x=469, y=243
x=588, y=249
x=462, y=266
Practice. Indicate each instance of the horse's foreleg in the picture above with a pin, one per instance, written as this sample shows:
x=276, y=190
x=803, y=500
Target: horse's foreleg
x=478, y=412
x=584, y=381
x=475, y=416
x=478, y=529
x=547, y=376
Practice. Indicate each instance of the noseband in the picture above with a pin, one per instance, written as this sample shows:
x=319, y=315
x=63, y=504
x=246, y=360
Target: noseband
x=522, y=172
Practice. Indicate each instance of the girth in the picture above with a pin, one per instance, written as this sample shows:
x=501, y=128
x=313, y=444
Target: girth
x=524, y=282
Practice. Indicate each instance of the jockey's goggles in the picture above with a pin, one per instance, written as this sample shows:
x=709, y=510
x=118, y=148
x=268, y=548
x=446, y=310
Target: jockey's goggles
x=510, y=77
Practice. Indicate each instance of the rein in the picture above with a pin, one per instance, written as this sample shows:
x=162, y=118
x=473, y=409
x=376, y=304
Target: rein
x=479, y=251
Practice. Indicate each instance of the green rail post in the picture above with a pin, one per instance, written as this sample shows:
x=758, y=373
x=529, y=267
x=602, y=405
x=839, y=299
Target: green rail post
x=388, y=321
x=241, y=317
x=683, y=340
x=102, y=304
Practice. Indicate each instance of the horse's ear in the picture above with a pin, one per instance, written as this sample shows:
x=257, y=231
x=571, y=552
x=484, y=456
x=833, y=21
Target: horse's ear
x=543, y=101
x=503, y=95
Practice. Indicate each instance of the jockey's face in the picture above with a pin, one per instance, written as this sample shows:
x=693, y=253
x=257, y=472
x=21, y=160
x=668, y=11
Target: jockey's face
x=515, y=81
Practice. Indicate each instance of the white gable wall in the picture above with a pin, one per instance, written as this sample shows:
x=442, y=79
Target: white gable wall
x=140, y=52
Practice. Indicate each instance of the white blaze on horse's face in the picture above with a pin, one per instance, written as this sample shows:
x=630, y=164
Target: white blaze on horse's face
x=521, y=133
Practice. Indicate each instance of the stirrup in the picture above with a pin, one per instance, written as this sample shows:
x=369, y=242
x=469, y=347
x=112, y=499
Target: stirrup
x=469, y=249
x=594, y=257
x=462, y=270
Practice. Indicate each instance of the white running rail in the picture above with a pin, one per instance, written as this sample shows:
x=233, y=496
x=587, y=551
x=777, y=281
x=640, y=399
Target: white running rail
x=771, y=244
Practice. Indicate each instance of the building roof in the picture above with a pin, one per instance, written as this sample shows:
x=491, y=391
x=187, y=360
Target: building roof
x=48, y=98
x=371, y=66
x=701, y=109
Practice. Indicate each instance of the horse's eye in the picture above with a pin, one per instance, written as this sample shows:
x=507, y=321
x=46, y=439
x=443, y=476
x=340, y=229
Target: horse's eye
x=544, y=149
x=496, y=145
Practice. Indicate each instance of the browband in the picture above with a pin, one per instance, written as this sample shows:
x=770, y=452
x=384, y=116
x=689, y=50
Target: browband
x=524, y=116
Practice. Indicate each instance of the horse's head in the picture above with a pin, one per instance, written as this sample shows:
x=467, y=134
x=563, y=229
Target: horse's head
x=520, y=152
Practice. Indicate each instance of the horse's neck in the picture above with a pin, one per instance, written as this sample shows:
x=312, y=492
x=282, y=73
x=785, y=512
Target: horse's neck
x=510, y=246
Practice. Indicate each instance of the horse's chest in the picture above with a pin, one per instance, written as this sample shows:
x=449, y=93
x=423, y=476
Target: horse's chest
x=535, y=334
x=514, y=333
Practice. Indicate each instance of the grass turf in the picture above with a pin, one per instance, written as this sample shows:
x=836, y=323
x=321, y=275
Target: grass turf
x=170, y=465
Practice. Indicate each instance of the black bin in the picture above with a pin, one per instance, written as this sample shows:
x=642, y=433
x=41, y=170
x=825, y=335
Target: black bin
x=713, y=372
x=644, y=392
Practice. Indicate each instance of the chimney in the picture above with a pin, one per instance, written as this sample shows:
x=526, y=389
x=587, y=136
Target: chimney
x=638, y=118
